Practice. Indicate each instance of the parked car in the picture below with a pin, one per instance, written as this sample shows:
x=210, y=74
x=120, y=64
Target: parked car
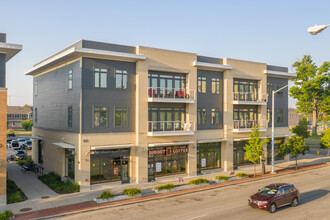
x=28, y=143
x=274, y=196
x=20, y=155
x=11, y=135
x=21, y=140
x=9, y=142
x=15, y=145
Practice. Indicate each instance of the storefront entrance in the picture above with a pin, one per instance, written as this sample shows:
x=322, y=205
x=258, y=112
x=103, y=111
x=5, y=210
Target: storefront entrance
x=277, y=145
x=110, y=165
x=239, y=154
x=208, y=156
x=167, y=161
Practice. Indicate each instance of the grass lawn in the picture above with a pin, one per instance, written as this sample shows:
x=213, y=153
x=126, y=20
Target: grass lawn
x=22, y=132
x=313, y=141
x=14, y=194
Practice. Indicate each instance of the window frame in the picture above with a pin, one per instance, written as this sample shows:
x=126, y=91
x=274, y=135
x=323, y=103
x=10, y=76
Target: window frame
x=36, y=88
x=215, y=112
x=121, y=118
x=215, y=84
x=100, y=72
x=36, y=115
x=201, y=84
x=121, y=74
x=70, y=79
x=279, y=115
x=94, y=121
x=70, y=116
x=201, y=114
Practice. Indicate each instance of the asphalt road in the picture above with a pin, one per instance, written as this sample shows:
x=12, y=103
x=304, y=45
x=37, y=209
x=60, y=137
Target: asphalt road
x=229, y=202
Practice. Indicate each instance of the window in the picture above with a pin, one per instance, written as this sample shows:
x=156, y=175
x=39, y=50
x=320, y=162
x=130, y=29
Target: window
x=215, y=116
x=201, y=116
x=120, y=116
x=36, y=115
x=269, y=89
x=201, y=84
x=69, y=163
x=70, y=116
x=70, y=79
x=100, y=117
x=101, y=76
x=279, y=115
x=36, y=88
x=215, y=85
x=121, y=79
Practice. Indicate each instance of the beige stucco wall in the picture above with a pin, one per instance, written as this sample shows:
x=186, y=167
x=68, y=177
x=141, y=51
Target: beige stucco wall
x=3, y=145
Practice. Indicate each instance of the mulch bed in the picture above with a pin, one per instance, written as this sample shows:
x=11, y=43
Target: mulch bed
x=89, y=205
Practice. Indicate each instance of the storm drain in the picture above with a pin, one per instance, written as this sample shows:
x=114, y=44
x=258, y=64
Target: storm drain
x=45, y=197
x=25, y=209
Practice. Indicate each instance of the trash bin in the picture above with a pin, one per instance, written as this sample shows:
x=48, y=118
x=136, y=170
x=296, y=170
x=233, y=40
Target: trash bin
x=263, y=167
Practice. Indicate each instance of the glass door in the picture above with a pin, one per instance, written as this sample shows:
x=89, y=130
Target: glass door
x=105, y=171
x=124, y=170
x=115, y=168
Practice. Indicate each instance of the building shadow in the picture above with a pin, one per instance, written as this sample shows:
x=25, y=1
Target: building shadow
x=313, y=195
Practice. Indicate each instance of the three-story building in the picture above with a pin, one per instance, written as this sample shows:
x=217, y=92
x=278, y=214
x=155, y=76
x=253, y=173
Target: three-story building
x=105, y=112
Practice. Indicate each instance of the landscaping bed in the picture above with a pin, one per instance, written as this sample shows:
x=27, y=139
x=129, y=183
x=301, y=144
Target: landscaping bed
x=107, y=196
x=14, y=194
x=54, y=182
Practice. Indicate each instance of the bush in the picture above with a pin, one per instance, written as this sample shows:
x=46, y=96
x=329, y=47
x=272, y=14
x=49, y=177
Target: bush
x=10, y=131
x=27, y=162
x=53, y=181
x=199, y=181
x=241, y=175
x=166, y=186
x=222, y=178
x=7, y=214
x=106, y=195
x=132, y=191
x=14, y=194
x=27, y=125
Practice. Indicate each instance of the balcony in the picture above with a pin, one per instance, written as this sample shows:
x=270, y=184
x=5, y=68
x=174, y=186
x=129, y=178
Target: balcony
x=241, y=126
x=249, y=98
x=170, y=128
x=171, y=95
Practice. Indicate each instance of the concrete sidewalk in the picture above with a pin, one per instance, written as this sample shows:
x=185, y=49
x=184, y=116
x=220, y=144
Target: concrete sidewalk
x=57, y=200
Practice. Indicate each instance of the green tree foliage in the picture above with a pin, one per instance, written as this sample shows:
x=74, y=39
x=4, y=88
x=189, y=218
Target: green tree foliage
x=302, y=128
x=325, y=140
x=27, y=125
x=313, y=94
x=10, y=131
x=294, y=146
x=254, y=148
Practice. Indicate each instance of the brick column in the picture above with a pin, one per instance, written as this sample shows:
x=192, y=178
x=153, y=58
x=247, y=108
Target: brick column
x=3, y=145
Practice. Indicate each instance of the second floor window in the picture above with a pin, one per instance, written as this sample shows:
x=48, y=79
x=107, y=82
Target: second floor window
x=201, y=116
x=100, y=117
x=101, y=78
x=216, y=85
x=120, y=116
x=36, y=88
x=70, y=116
x=215, y=116
x=121, y=79
x=36, y=115
x=201, y=84
x=279, y=115
x=70, y=79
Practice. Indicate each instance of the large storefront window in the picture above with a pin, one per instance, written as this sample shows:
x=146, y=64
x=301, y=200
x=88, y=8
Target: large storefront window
x=277, y=145
x=239, y=154
x=110, y=165
x=167, y=161
x=69, y=163
x=208, y=156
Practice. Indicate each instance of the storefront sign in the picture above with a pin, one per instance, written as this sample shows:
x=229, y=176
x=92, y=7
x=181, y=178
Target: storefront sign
x=203, y=162
x=180, y=150
x=158, y=167
x=115, y=171
x=153, y=152
x=168, y=151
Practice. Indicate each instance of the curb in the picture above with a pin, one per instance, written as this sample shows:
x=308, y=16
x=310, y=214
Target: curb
x=94, y=207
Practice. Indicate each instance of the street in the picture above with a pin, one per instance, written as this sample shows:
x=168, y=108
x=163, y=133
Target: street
x=229, y=202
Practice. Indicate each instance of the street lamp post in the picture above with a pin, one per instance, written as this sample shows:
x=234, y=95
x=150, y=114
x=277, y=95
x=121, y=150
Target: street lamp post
x=317, y=29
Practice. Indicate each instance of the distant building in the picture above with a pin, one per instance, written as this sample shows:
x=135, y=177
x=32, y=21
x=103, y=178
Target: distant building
x=16, y=114
x=293, y=117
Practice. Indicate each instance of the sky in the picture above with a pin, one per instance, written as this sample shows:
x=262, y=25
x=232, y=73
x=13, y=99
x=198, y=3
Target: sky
x=272, y=32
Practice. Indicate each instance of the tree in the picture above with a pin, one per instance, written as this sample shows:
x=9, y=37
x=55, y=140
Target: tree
x=302, y=128
x=254, y=147
x=294, y=146
x=27, y=125
x=325, y=140
x=313, y=94
x=27, y=105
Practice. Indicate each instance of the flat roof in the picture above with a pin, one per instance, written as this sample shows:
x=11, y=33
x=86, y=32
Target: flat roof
x=10, y=49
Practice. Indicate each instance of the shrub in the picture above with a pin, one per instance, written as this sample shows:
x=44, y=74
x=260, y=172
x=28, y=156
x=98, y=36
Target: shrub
x=166, y=186
x=53, y=181
x=7, y=214
x=132, y=191
x=10, y=131
x=14, y=194
x=27, y=125
x=199, y=181
x=106, y=195
x=241, y=175
x=27, y=162
x=69, y=186
x=222, y=178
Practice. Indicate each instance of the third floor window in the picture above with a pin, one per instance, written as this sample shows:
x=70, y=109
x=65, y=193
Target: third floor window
x=216, y=85
x=121, y=79
x=201, y=84
x=101, y=78
x=70, y=79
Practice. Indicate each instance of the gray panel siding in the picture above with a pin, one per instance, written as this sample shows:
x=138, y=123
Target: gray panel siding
x=209, y=59
x=2, y=70
x=109, y=97
x=209, y=100
x=281, y=101
x=107, y=46
x=277, y=68
x=54, y=97
x=2, y=38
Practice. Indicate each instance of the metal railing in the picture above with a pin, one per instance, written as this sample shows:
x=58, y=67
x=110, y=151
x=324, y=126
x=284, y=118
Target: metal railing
x=250, y=96
x=172, y=93
x=170, y=126
x=247, y=124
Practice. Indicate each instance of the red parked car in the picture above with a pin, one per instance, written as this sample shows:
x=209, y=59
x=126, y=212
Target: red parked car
x=274, y=196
